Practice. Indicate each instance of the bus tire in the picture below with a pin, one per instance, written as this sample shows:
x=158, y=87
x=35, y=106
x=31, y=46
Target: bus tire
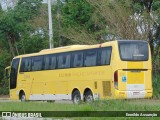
x=22, y=97
x=76, y=97
x=88, y=97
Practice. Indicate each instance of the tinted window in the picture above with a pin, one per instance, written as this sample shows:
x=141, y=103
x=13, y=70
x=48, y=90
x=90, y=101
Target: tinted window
x=13, y=74
x=105, y=55
x=90, y=58
x=133, y=50
x=49, y=62
x=77, y=58
x=64, y=60
x=37, y=63
x=25, y=65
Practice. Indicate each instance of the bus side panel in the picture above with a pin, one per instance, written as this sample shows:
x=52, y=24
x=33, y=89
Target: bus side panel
x=90, y=77
x=25, y=83
x=14, y=94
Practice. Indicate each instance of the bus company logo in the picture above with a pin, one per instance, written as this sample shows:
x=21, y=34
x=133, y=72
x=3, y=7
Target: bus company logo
x=21, y=115
x=6, y=114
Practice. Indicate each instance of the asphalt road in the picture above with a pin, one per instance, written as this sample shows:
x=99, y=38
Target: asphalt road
x=5, y=98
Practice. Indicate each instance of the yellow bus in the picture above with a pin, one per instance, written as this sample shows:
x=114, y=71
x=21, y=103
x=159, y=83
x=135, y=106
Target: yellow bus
x=117, y=69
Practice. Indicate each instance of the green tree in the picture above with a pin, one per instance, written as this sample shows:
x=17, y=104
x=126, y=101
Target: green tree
x=19, y=34
x=77, y=24
x=89, y=21
x=4, y=61
x=13, y=22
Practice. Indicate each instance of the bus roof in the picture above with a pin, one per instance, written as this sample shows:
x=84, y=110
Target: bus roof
x=69, y=48
x=61, y=49
x=64, y=48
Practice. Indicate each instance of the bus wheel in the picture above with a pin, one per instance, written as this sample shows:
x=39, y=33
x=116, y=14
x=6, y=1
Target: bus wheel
x=76, y=97
x=88, y=97
x=22, y=97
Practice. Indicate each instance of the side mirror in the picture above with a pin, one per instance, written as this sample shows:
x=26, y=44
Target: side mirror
x=7, y=72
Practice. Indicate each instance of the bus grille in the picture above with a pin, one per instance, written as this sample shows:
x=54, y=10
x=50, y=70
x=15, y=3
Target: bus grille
x=106, y=88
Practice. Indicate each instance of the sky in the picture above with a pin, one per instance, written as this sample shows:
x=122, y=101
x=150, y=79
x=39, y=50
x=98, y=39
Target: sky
x=9, y=3
x=5, y=3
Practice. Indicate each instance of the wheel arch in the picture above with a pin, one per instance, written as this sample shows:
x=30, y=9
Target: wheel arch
x=87, y=89
x=74, y=91
x=21, y=92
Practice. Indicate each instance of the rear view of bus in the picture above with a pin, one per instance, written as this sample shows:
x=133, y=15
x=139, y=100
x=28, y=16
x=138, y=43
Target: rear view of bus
x=132, y=74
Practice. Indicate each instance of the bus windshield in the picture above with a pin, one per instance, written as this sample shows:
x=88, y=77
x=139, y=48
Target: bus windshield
x=133, y=50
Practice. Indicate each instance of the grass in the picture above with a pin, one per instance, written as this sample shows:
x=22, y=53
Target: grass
x=105, y=105
x=40, y=106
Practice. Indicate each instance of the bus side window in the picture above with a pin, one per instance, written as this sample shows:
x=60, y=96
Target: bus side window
x=53, y=62
x=22, y=69
x=50, y=62
x=28, y=64
x=25, y=65
x=105, y=55
x=37, y=63
x=77, y=58
x=14, y=72
x=47, y=62
x=64, y=60
x=90, y=58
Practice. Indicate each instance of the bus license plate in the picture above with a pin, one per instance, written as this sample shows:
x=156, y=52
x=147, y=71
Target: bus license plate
x=136, y=93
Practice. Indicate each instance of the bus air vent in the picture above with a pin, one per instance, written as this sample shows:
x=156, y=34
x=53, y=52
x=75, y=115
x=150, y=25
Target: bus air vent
x=106, y=88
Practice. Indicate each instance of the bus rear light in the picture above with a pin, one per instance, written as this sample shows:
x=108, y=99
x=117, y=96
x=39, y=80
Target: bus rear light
x=116, y=79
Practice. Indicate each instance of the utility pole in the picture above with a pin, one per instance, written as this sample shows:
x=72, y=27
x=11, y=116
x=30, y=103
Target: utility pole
x=51, y=45
x=59, y=24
